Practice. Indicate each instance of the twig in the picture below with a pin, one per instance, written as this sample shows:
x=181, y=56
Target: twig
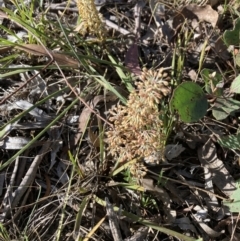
x=116, y=27
x=137, y=15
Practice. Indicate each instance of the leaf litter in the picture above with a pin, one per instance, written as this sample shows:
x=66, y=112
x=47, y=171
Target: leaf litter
x=59, y=87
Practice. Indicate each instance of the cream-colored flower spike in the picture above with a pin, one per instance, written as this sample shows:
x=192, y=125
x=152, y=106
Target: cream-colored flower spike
x=90, y=19
x=138, y=129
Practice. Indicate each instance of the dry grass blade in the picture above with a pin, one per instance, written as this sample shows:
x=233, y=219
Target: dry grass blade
x=60, y=58
x=95, y=228
x=5, y=49
x=82, y=208
x=26, y=182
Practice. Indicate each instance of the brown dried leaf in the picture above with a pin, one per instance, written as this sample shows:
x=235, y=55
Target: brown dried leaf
x=85, y=116
x=193, y=11
x=205, y=13
x=213, y=2
x=94, y=138
x=4, y=50
x=132, y=61
x=220, y=175
x=39, y=50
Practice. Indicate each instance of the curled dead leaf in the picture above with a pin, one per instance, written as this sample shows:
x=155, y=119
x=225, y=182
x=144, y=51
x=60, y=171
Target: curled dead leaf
x=220, y=175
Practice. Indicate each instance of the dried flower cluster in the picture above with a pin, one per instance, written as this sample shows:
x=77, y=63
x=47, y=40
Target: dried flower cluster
x=138, y=128
x=90, y=19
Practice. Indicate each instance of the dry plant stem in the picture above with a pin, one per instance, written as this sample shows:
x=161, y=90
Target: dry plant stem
x=48, y=185
x=137, y=16
x=113, y=221
x=219, y=123
x=21, y=168
x=63, y=6
x=91, y=233
x=8, y=195
x=116, y=27
x=234, y=228
x=26, y=182
x=193, y=183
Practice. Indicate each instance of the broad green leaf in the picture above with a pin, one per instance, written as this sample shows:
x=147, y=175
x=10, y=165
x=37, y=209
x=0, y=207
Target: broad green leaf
x=233, y=205
x=189, y=101
x=211, y=80
x=232, y=37
x=230, y=141
x=237, y=59
x=235, y=86
x=223, y=107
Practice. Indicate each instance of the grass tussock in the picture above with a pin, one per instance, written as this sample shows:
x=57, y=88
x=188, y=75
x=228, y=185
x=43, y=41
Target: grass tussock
x=94, y=142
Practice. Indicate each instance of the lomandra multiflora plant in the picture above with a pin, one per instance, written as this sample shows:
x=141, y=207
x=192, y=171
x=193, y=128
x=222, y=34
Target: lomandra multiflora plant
x=91, y=21
x=137, y=127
